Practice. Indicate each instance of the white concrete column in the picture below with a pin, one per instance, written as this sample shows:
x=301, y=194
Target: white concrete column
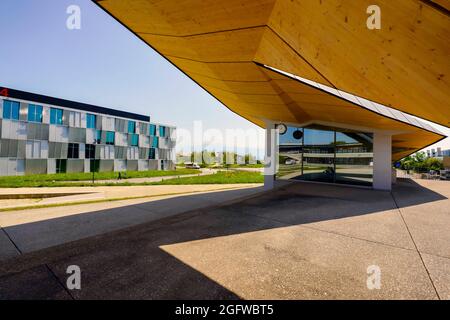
x=382, y=161
x=271, y=156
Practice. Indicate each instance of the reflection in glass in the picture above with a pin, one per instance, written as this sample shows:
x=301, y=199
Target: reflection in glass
x=318, y=155
x=326, y=155
x=354, y=158
x=290, y=154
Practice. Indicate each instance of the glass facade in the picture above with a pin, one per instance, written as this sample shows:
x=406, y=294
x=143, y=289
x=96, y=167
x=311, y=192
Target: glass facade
x=155, y=142
x=109, y=137
x=56, y=116
x=91, y=121
x=135, y=140
x=73, y=151
x=152, y=153
x=152, y=129
x=162, y=131
x=61, y=165
x=326, y=155
x=41, y=138
x=89, y=151
x=11, y=110
x=34, y=113
x=131, y=127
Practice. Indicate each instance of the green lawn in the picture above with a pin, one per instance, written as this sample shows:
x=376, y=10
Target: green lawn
x=60, y=179
x=220, y=177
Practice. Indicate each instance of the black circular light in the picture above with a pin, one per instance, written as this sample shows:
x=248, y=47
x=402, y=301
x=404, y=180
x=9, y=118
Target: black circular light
x=297, y=134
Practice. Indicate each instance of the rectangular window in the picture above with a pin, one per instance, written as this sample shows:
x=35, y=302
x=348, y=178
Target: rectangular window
x=152, y=153
x=74, y=119
x=155, y=142
x=131, y=127
x=152, y=130
x=56, y=116
x=61, y=165
x=74, y=151
x=34, y=113
x=95, y=165
x=90, y=151
x=162, y=131
x=134, y=140
x=91, y=121
x=98, y=136
x=11, y=110
x=109, y=137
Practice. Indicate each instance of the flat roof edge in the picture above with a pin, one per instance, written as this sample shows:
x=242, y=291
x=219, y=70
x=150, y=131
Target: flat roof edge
x=39, y=98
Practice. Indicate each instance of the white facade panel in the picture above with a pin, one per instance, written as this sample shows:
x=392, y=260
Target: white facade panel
x=51, y=166
x=144, y=141
x=16, y=130
x=82, y=151
x=12, y=167
x=58, y=133
x=120, y=165
x=121, y=139
x=133, y=153
x=143, y=165
x=74, y=119
x=44, y=149
x=90, y=136
x=87, y=165
x=46, y=115
x=83, y=120
x=108, y=123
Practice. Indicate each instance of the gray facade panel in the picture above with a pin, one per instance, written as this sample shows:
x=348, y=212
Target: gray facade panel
x=143, y=153
x=65, y=119
x=153, y=164
x=23, y=111
x=58, y=150
x=99, y=122
x=121, y=125
x=21, y=148
x=132, y=165
x=75, y=165
x=106, y=165
x=120, y=152
x=144, y=128
x=37, y=131
x=36, y=166
x=77, y=135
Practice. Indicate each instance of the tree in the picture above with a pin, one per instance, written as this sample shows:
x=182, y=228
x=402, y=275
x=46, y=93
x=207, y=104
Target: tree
x=420, y=163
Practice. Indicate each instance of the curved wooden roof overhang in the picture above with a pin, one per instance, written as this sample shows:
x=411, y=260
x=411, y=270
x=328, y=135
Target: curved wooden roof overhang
x=223, y=46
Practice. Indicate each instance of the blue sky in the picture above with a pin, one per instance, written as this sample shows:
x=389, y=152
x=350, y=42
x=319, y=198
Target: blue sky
x=104, y=64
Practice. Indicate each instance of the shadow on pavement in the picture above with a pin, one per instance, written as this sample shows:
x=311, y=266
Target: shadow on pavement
x=129, y=263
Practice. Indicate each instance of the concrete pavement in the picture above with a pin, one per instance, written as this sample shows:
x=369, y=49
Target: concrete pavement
x=35, y=229
x=302, y=241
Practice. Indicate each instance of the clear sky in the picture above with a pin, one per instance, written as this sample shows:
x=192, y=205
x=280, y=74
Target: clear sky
x=104, y=64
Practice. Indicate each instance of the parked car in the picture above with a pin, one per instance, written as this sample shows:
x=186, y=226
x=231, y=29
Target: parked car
x=445, y=174
x=289, y=162
x=191, y=165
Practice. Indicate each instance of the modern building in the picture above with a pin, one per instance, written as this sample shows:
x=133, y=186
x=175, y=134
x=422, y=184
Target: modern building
x=438, y=153
x=318, y=67
x=43, y=135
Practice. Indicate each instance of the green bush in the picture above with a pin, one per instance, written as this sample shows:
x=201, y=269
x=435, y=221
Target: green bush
x=418, y=162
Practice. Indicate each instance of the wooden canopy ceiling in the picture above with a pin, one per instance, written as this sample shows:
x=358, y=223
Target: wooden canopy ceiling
x=223, y=45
